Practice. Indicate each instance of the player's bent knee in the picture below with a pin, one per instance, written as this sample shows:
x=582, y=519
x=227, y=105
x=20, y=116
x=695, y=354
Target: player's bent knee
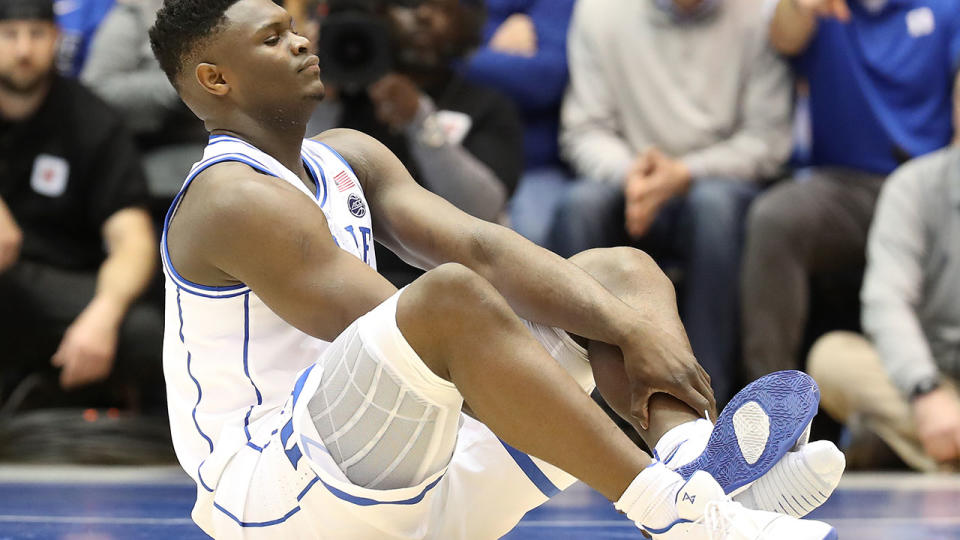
x=450, y=286
x=439, y=308
x=620, y=269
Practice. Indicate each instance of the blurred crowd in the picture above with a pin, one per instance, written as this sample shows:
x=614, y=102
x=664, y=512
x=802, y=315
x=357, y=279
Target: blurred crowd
x=789, y=163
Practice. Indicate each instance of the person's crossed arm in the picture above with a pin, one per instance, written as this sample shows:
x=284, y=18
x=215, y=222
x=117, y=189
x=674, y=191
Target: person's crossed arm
x=427, y=231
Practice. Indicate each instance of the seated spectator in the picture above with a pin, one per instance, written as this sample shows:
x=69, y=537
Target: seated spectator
x=78, y=21
x=673, y=135
x=76, y=247
x=122, y=71
x=880, y=77
x=460, y=140
x=906, y=370
x=525, y=56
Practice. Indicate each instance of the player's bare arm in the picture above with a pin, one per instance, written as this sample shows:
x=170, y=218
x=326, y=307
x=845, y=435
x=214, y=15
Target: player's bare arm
x=238, y=226
x=427, y=231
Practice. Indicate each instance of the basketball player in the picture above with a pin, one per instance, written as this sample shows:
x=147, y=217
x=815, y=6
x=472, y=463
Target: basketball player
x=311, y=399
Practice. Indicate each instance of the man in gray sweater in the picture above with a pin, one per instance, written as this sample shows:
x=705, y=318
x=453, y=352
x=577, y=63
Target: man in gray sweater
x=676, y=110
x=122, y=71
x=906, y=369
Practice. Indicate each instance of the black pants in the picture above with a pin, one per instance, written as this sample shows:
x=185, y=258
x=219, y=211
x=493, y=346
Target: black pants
x=37, y=305
x=796, y=231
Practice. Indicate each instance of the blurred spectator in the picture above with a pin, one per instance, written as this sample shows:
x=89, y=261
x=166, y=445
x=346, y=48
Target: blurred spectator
x=880, y=75
x=676, y=110
x=906, y=374
x=460, y=140
x=76, y=249
x=525, y=56
x=77, y=20
x=122, y=70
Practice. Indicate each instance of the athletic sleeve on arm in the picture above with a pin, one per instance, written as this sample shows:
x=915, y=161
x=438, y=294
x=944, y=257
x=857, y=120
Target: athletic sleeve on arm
x=466, y=174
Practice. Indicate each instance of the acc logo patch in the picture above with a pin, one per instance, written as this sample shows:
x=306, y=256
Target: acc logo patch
x=356, y=206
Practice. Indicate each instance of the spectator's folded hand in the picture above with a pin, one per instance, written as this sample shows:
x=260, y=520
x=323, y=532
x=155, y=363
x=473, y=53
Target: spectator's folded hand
x=89, y=345
x=937, y=417
x=11, y=238
x=653, y=180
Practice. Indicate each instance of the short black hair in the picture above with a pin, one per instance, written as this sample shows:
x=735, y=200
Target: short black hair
x=181, y=27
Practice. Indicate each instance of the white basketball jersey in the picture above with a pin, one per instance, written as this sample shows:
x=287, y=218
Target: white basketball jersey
x=228, y=359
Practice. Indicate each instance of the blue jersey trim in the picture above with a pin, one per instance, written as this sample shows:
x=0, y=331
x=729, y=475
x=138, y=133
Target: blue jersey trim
x=327, y=146
x=364, y=501
x=200, y=476
x=317, y=171
x=359, y=501
x=302, y=380
x=533, y=472
x=214, y=139
x=190, y=373
x=188, y=285
x=257, y=523
x=246, y=363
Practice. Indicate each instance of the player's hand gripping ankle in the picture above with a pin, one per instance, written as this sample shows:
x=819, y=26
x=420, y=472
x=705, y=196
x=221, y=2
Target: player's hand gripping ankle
x=656, y=361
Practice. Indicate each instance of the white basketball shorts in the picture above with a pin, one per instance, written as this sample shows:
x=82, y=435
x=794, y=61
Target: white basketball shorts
x=286, y=484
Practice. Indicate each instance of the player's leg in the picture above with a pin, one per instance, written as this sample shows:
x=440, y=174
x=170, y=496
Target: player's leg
x=466, y=333
x=776, y=409
x=635, y=278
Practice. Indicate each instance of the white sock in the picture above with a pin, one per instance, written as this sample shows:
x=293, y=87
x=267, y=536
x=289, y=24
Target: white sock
x=684, y=443
x=650, y=500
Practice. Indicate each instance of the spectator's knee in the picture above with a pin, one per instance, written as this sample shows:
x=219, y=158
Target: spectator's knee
x=771, y=218
x=824, y=364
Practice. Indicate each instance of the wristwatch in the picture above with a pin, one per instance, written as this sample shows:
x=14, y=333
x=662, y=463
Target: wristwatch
x=924, y=387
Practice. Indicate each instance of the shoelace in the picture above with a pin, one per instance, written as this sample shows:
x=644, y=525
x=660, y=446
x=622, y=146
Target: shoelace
x=719, y=518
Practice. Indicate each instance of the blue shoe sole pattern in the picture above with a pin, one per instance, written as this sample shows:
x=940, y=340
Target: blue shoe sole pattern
x=790, y=400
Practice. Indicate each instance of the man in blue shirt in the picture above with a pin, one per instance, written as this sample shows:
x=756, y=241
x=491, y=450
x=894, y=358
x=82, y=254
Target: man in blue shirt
x=78, y=21
x=524, y=55
x=881, y=74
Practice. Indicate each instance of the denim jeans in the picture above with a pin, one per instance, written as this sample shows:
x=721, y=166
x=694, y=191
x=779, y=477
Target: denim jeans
x=534, y=204
x=700, y=232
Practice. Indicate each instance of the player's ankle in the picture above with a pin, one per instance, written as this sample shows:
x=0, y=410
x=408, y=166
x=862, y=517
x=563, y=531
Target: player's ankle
x=683, y=443
x=650, y=500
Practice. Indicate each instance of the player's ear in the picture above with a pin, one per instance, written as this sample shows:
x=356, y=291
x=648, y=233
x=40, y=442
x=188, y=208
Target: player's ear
x=211, y=79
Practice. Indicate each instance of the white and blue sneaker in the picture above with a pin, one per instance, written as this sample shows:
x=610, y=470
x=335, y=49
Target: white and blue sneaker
x=763, y=422
x=706, y=513
x=802, y=479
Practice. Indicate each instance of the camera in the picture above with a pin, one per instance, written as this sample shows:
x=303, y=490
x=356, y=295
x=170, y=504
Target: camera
x=355, y=45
